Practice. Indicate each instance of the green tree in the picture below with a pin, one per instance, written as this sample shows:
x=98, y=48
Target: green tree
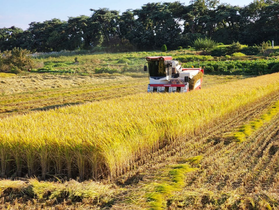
x=154, y=27
x=41, y=33
x=227, y=21
x=77, y=30
x=106, y=21
x=10, y=38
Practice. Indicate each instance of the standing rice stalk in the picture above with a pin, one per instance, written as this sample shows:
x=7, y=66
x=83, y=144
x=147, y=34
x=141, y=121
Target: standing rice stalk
x=106, y=138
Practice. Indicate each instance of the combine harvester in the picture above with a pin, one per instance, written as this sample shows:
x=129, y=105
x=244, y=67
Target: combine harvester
x=167, y=75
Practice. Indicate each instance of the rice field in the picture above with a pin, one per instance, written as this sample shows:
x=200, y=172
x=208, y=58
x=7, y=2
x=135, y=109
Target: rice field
x=24, y=94
x=213, y=169
x=106, y=139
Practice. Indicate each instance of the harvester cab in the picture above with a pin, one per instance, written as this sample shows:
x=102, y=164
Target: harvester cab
x=167, y=75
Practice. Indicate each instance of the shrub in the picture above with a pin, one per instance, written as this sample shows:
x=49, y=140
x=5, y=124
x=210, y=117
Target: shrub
x=15, y=60
x=164, y=48
x=259, y=68
x=234, y=47
x=228, y=57
x=219, y=51
x=15, y=70
x=204, y=44
x=238, y=54
x=251, y=50
x=264, y=46
x=209, y=69
x=231, y=66
x=237, y=67
x=275, y=68
x=274, y=54
x=190, y=58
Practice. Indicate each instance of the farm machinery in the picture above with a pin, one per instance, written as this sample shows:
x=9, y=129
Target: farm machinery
x=167, y=75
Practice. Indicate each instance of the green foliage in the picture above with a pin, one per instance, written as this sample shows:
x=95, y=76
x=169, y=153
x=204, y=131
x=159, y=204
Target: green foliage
x=219, y=51
x=264, y=46
x=274, y=54
x=275, y=68
x=180, y=48
x=204, y=44
x=237, y=67
x=123, y=60
x=15, y=61
x=238, y=54
x=164, y=48
x=251, y=50
x=108, y=31
x=190, y=58
x=234, y=47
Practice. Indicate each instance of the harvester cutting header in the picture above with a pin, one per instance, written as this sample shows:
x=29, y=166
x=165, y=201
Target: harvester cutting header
x=167, y=75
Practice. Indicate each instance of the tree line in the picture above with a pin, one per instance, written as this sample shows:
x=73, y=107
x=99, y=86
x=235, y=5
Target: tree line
x=174, y=24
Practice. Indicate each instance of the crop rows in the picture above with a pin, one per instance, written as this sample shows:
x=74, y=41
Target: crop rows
x=229, y=172
x=244, y=174
x=53, y=98
x=25, y=102
x=106, y=138
x=204, y=141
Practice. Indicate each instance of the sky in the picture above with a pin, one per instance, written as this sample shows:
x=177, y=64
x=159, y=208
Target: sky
x=20, y=13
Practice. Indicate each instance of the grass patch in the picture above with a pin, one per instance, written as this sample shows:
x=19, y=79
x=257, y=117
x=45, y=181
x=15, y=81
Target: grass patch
x=172, y=181
x=246, y=130
x=236, y=64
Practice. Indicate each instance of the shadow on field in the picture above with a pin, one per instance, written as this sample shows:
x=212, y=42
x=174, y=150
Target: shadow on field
x=219, y=139
x=56, y=106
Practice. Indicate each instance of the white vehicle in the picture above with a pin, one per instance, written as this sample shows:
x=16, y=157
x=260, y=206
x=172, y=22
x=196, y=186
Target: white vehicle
x=167, y=75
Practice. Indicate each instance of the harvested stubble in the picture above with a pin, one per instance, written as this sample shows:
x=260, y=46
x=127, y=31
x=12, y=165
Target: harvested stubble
x=103, y=139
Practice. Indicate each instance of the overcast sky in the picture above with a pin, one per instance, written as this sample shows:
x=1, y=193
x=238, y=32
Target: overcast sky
x=20, y=13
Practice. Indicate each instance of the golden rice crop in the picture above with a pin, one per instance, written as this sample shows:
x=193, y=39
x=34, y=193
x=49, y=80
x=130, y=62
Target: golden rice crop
x=105, y=138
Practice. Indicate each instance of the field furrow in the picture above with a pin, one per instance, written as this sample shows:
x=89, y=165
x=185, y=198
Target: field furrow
x=247, y=171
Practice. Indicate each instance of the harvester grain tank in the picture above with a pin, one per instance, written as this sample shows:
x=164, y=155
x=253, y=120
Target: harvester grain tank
x=167, y=75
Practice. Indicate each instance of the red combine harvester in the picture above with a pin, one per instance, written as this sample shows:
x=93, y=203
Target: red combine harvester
x=167, y=75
